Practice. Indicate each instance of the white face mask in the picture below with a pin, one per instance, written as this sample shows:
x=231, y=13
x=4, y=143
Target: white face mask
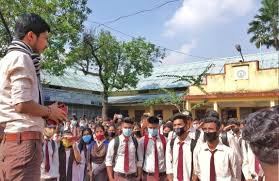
x=195, y=126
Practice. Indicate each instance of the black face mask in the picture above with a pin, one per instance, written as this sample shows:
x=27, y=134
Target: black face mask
x=111, y=134
x=166, y=134
x=137, y=133
x=210, y=136
x=179, y=131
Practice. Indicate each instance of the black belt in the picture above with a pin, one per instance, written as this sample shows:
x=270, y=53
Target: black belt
x=153, y=174
x=124, y=175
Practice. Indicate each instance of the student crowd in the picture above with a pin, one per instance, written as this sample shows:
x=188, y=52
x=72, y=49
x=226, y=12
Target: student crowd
x=180, y=149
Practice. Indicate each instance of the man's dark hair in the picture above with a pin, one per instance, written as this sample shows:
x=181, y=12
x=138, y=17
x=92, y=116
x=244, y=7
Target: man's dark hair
x=127, y=120
x=212, y=113
x=181, y=116
x=153, y=120
x=30, y=22
x=262, y=132
x=160, y=116
x=211, y=119
x=233, y=121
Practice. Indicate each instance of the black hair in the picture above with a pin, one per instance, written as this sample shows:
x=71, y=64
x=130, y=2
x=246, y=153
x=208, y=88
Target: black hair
x=82, y=144
x=212, y=113
x=262, y=132
x=127, y=120
x=182, y=116
x=100, y=126
x=160, y=116
x=30, y=22
x=212, y=120
x=233, y=121
x=153, y=120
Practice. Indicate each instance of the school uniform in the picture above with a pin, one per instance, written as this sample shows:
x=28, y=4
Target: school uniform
x=126, y=163
x=179, y=159
x=50, y=164
x=152, y=158
x=251, y=166
x=215, y=165
x=79, y=167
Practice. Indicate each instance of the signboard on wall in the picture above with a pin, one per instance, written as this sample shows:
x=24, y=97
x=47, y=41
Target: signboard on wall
x=241, y=72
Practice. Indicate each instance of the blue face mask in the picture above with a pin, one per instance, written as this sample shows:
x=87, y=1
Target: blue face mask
x=127, y=132
x=152, y=132
x=86, y=138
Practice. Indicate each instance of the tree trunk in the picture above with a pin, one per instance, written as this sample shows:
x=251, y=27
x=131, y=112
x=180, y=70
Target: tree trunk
x=105, y=105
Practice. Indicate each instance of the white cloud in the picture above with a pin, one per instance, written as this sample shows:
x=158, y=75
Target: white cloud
x=177, y=58
x=198, y=13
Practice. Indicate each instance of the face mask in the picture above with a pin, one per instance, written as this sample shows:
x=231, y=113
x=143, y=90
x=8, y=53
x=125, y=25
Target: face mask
x=111, y=134
x=210, y=136
x=179, y=131
x=74, y=123
x=160, y=121
x=66, y=143
x=235, y=130
x=166, y=134
x=100, y=137
x=86, y=138
x=127, y=132
x=152, y=132
x=48, y=133
x=137, y=133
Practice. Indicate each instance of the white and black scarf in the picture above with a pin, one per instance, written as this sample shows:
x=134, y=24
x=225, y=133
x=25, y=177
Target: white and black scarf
x=17, y=45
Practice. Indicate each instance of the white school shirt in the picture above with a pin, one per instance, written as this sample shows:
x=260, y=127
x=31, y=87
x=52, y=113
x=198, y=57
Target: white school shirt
x=149, y=164
x=53, y=161
x=119, y=159
x=171, y=135
x=78, y=168
x=224, y=160
x=248, y=164
x=172, y=158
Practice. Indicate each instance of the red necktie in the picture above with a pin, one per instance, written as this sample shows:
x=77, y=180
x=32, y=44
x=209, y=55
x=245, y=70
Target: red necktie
x=180, y=162
x=47, y=167
x=257, y=165
x=126, y=156
x=212, y=167
x=156, y=172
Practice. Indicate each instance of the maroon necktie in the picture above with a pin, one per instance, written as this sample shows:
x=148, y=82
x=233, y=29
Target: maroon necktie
x=212, y=167
x=257, y=165
x=180, y=162
x=126, y=156
x=156, y=171
x=47, y=167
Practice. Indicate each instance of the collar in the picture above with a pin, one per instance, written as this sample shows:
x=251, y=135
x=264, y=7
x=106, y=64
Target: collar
x=219, y=147
x=187, y=140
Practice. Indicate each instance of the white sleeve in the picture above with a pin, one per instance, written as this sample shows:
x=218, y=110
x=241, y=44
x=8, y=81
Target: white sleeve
x=245, y=162
x=140, y=152
x=169, y=165
x=196, y=161
x=234, y=166
x=110, y=153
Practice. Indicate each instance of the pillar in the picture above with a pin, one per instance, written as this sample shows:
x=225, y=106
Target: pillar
x=215, y=106
x=188, y=105
x=151, y=110
x=238, y=113
x=272, y=103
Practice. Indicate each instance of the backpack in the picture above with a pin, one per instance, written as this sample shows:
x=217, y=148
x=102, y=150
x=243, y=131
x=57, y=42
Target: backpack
x=224, y=138
x=146, y=139
x=116, y=145
x=192, y=147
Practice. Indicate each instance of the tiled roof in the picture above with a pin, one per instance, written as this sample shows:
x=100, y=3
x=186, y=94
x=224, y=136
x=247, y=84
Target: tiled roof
x=77, y=80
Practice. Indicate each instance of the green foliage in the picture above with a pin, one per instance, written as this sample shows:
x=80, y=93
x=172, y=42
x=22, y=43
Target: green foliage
x=65, y=17
x=118, y=64
x=264, y=27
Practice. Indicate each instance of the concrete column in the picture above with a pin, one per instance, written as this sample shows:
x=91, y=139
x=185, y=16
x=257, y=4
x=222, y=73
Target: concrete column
x=188, y=105
x=151, y=110
x=131, y=113
x=272, y=103
x=238, y=113
x=215, y=106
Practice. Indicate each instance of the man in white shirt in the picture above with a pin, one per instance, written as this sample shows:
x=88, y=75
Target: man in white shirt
x=121, y=159
x=151, y=152
x=214, y=161
x=178, y=151
x=50, y=164
x=262, y=133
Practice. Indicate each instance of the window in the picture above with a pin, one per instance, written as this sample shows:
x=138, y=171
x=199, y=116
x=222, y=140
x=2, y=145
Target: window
x=138, y=114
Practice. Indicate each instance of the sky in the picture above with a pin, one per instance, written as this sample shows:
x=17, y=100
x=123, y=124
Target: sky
x=201, y=29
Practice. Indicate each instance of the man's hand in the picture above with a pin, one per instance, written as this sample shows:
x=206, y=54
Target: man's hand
x=57, y=114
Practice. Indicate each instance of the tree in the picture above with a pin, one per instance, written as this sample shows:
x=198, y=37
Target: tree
x=264, y=27
x=178, y=101
x=65, y=17
x=119, y=64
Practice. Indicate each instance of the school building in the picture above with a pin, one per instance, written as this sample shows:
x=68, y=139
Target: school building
x=231, y=87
